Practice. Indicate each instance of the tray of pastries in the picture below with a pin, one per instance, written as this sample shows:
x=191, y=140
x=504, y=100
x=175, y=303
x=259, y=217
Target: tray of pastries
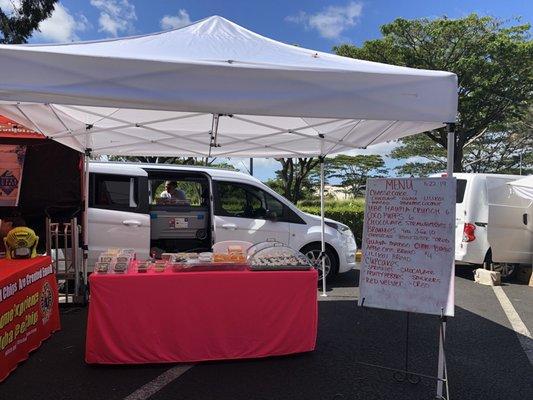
x=276, y=256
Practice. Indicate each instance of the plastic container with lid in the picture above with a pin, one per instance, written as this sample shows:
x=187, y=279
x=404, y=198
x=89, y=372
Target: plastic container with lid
x=229, y=246
x=275, y=256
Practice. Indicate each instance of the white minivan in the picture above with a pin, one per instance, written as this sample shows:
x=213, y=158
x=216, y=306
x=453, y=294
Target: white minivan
x=127, y=209
x=494, y=226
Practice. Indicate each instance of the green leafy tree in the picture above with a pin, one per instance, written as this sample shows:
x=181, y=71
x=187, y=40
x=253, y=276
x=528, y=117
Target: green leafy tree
x=22, y=18
x=155, y=159
x=275, y=184
x=492, y=59
x=353, y=171
x=411, y=168
x=507, y=152
x=429, y=157
x=293, y=178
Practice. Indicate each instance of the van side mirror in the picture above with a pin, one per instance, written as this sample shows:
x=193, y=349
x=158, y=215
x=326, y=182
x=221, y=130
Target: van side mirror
x=271, y=216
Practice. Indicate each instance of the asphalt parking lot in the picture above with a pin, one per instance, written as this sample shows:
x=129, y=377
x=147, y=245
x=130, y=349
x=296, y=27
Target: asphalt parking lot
x=486, y=358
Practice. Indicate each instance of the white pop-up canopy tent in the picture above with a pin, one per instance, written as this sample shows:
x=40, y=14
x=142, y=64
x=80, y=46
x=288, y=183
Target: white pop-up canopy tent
x=172, y=92
x=216, y=89
x=523, y=187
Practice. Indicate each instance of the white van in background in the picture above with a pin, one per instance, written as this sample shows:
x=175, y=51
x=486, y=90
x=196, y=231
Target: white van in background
x=494, y=226
x=127, y=210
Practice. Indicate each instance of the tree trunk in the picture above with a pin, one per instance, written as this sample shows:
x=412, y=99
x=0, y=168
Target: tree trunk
x=293, y=174
x=458, y=152
x=457, y=160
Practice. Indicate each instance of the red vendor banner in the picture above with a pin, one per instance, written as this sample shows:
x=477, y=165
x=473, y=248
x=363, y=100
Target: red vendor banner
x=29, y=310
x=12, y=129
x=11, y=166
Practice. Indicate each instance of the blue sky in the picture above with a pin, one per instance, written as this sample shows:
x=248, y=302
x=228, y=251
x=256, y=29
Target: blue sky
x=317, y=24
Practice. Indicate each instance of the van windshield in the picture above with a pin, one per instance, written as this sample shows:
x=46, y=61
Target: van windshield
x=461, y=186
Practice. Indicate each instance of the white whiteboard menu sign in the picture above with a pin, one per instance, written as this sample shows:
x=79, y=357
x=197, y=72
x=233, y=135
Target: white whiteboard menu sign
x=408, y=245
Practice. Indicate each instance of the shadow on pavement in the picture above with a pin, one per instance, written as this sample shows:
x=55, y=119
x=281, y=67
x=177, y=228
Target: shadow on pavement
x=485, y=361
x=348, y=279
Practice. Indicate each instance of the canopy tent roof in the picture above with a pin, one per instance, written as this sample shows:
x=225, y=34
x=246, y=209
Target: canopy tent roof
x=214, y=88
x=523, y=187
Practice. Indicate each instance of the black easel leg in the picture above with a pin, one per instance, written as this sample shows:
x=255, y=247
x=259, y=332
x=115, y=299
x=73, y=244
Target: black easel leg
x=402, y=376
x=407, y=343
x=412, y=378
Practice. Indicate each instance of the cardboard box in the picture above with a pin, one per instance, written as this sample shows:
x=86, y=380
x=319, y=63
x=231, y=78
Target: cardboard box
x=486, y=277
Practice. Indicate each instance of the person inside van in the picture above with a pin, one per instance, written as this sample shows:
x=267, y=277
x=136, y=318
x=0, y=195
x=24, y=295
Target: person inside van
x=172, y=192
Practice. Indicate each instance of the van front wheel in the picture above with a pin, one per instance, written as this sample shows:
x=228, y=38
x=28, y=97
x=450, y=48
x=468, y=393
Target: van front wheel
x=312, y=252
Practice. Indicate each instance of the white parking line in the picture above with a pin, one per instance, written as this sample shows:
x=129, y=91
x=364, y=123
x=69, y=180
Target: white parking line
x=524, y=336
x=158, y=383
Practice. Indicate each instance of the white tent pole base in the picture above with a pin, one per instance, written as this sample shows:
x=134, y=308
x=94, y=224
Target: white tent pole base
x=441, y=364
x=322, y=227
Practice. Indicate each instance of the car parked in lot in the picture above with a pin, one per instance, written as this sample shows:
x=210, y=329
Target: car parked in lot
x=494, y=226
x=129, y=207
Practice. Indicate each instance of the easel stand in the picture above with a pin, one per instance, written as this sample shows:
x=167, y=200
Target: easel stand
x=405, y=375
x=442, y=372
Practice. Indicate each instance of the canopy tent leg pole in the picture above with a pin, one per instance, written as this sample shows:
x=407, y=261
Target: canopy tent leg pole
x=214, y=134
x=86, y=214
x=322, y=227
x=441, y=373
x=451, y=148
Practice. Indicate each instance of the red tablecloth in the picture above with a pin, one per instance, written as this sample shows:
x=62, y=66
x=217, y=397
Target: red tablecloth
x=197, y=316
x=29, y=311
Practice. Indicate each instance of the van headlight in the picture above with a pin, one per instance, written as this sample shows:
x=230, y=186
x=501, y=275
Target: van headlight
x=344, y=230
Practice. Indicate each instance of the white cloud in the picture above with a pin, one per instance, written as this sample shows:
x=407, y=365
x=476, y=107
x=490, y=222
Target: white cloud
x=416, y=159
x=383, y=149
x=175, y=21
x=243, y=164
x=332, y=21
x=9, y=6
x=116, y=16
x=264, y=168
x=61, y=26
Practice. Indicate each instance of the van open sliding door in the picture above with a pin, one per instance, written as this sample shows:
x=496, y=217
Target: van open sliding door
x=118, y=210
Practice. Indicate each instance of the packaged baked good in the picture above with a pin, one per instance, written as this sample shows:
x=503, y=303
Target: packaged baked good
x=238, y=258
x=120, y=267
x=177, y=267
x=220, y=257
x=160, y=265
x=123, y=259
x=180, y=258
x=167, y=256
x=105, y=257
x=113, y=251
x=143, y=266
x=206, y=257
x=101, y=267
